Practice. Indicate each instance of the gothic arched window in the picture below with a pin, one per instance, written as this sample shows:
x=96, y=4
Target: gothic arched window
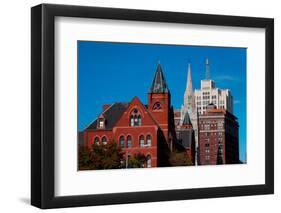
x=132, y=120
x=141, y=141
x=129, y=141
x=148, y=140
x=122, y=141
x=103, y=140
x=139, y=121
x=97, y=140
x=135, y=118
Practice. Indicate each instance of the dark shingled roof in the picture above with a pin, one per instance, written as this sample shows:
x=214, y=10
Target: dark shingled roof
x=111, y=115
x=159, y=84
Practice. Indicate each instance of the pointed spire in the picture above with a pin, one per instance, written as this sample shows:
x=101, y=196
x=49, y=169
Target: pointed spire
x=188, y=101
x=159, y=84
x=189, y=80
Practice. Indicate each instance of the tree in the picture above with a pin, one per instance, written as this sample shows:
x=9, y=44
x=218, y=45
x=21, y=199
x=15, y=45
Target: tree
x=137, y=161
x=178, y=158
x=103, y=156
x=84, y=158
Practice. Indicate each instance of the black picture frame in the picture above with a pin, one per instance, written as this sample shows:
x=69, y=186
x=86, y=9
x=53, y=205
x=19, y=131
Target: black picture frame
x=43, y=102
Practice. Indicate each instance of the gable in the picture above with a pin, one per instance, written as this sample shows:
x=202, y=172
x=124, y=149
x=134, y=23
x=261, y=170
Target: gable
x=136, y=106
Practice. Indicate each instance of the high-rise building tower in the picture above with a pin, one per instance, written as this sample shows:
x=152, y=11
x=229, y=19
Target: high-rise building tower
x=195, y=105
x=218, y=137
x=209, y=94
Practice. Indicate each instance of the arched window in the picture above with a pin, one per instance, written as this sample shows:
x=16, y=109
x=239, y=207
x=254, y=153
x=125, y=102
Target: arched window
x=157, y=106
x=139, y=120
x=148, y=140
x=129, y=141
x=148, y=161
x=97, y=141
x=132, y=120
x=103, y=140
x=141, y=141
x=135, y=118
x=122, y=141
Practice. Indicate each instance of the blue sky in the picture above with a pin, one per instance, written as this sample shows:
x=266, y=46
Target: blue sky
x=116, y=72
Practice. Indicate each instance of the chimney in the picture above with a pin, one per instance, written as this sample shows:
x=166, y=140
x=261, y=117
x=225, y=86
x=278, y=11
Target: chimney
x=105, y=107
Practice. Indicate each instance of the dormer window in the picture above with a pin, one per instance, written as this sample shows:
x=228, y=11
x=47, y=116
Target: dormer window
x=101, y=122
x=135, y=118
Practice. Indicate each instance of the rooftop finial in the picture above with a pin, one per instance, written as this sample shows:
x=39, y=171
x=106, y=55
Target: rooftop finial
x=207, y=74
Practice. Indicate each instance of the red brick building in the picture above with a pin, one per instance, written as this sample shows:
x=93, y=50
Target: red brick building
x=138, y=128
x=218, y=137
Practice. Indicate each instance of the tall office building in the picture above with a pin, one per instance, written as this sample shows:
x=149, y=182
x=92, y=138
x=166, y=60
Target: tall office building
x=209, y=94
x=218, y=137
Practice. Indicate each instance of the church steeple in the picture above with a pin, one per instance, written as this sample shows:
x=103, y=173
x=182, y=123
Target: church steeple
x=189, y=81
x=159, y=101
x=188, y=94
x=159, y=84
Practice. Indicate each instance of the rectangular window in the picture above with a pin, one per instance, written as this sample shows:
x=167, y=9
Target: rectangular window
x=220, y=125
x=207, y=126
x=101, y=124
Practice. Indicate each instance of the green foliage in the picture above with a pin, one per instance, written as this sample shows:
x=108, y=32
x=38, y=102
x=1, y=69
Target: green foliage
x=177, y=158
x=84, y=158
x=137, y=161
x=107, y=156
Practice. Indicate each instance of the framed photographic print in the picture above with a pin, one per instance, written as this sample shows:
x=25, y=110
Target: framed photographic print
x=139, y=106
